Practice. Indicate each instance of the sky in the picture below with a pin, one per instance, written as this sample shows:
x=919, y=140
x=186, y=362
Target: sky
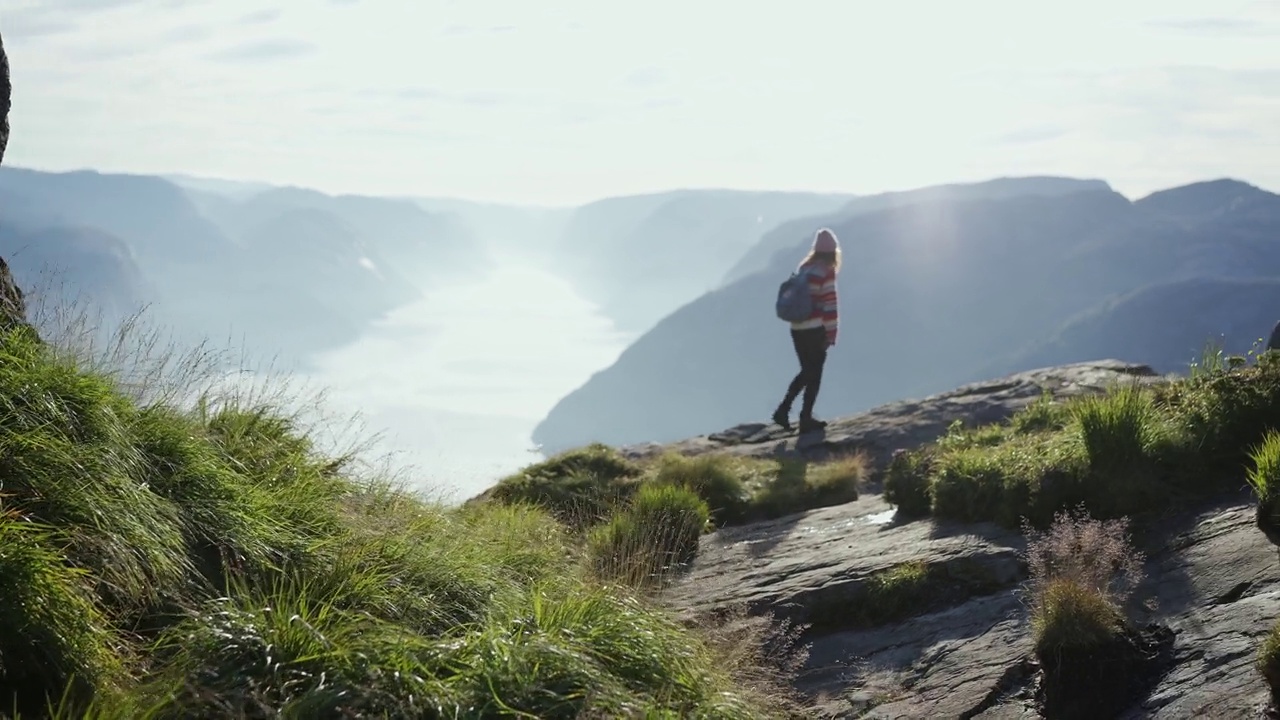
x=566, y=101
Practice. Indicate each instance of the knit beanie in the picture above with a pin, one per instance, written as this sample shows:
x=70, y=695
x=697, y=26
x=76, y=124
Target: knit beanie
x=825, y=241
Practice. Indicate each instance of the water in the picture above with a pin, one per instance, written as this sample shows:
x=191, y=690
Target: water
x=457, y=381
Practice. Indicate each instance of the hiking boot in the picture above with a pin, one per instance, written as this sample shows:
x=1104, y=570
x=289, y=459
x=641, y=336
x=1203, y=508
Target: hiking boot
x=811, y=425
x=780, y=417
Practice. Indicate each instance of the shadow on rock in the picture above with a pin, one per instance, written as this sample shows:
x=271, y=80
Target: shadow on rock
x=1204, y=543
x=1103, y=681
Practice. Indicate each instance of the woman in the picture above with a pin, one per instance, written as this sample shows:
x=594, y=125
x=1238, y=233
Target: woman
x=815, y=334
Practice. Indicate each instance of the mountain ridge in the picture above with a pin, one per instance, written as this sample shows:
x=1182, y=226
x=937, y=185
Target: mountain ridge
x=922, y=309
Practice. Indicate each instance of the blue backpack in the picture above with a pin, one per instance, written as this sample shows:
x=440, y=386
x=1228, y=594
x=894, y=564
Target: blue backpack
x=795, y=300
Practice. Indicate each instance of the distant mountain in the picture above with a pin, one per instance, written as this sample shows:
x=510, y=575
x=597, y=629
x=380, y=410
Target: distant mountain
x=941, y=292
x=232, y=189
x=280, y=272
x=785, y=237
x=422, y=246
x=72, y=274
x=314, y=254
x=1164, y=325
x=152, y=215
x=641, y=257
x=519, y=232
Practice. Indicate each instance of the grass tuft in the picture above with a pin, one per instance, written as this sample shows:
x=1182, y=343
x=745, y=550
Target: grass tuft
x=1118, y=428
x=1264, y=475
x=1082, y=571
x=1043, y=415
x=580, y=487
x=721, y=480
x=653, y=538
x=1130, y=450
x=1268, y=661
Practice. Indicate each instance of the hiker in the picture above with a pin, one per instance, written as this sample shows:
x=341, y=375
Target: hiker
x=1273, y=342
x=808, y=301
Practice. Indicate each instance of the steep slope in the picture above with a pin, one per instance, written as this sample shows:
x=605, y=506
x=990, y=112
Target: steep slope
x=641, y=257
x=1164, y=325
x=154, y=216
x=294, y=279
x=787, y=237
x=421, y=245
x=312, y=282
x=928, y=291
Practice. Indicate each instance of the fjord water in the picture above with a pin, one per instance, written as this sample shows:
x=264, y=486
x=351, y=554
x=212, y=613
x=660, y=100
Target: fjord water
x=456, y=381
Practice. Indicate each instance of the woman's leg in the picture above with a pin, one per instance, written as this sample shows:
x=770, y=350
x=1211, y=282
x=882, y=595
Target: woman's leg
x=780, y=415
x=815, y=358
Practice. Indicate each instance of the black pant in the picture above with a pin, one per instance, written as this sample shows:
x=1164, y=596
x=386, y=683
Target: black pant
x=811, y=350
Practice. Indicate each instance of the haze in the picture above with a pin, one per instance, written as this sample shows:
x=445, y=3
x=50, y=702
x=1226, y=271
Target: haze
x=567, y=102
x=643, y=175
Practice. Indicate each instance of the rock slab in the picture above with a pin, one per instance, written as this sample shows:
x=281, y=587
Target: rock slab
x=1212, y=578
x=915, y=422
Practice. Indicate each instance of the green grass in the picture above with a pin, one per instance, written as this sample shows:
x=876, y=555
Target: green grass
x=167, y=560
x=581, y=487
x=655, y=536
x=1268, y=661
x=1127, y=451
x=736, y=489
x=1264, y=475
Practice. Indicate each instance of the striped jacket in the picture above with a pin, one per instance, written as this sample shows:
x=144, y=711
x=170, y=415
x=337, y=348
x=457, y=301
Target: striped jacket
x=826, y=312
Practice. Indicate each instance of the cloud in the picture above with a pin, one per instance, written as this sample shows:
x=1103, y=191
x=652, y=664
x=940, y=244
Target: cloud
x=36, y=22
x=1030, y=135
x=473, y=98
x=1217, y=26
x=80, y=6
x=258, y=50
x=56, y=17
x=646, y=77
x=189, y=33
x=1186, y=102
x=260, y=17
x=664, y=102
x=104, y=51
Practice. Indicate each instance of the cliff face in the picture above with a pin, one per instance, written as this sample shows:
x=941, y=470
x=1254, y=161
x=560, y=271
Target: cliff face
x=12, y=306
x=6, y=91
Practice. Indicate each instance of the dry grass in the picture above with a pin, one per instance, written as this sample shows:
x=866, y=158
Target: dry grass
x=761, y=653
x=1082, y=571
